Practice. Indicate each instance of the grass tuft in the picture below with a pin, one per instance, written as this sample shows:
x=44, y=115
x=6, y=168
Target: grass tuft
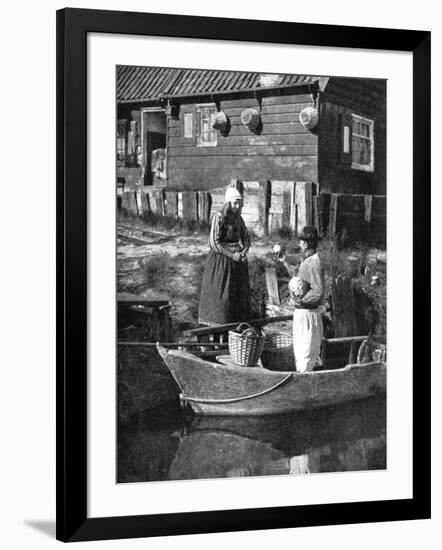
x=155, y=269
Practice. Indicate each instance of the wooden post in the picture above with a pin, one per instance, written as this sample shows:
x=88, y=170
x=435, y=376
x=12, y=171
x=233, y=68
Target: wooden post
x=125, y=202
x=272, y=286
x=147, y=327
x=315, y=212
x=166, y=328
x=304, y=200
x=344, y=318
x=251, y=208
x=308, y=203
x=180, y=205
x=153, y=203
x=280, y=204
x=333, y=215
x=190, y=205
x=139, y=205
x=159, y=199
x=323, y=350
x=323, y=202
x=238, y=184
x=293, y=210
x=275, y=210
x=263, y=205
x=353, y=355
x=368, y=200
x=155, y=334
x=145, y=203
x=203, y=207
x=133, y=208
x=171, y=204
x=378, y=220
x=287, y=194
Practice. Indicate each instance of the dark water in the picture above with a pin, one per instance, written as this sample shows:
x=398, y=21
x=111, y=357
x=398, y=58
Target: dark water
x=168, y=444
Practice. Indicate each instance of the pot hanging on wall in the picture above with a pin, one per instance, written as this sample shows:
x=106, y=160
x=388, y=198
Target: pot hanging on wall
x=220, y=121
x=250, y=118
x=309, y=117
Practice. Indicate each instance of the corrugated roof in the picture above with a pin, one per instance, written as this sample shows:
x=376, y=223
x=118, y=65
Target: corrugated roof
x=151, y=83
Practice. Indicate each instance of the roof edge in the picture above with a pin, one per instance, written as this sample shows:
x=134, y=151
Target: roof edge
x=314, y=85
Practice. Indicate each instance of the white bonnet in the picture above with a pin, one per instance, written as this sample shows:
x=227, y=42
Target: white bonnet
x=232, y=194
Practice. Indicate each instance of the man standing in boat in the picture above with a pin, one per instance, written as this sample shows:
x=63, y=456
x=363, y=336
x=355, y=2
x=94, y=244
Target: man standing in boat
x=308, y=291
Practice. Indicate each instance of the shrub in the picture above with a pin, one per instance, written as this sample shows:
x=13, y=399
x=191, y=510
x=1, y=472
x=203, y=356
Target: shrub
x=334, y=261
x=155, y=269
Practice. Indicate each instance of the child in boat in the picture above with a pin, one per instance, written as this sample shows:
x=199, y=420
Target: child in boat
x=225, y=290
x=308, y=291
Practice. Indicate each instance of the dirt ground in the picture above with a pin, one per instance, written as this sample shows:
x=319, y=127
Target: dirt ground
x=135, y=241
x=168, y=264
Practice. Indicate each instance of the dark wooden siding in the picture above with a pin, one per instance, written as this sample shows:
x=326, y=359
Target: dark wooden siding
x=362, y=97
x=283, y=150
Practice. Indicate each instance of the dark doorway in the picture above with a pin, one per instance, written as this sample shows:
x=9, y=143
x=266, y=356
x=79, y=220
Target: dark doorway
x=154, y=141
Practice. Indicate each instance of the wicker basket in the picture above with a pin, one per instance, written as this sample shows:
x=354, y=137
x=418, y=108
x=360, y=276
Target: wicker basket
x=277, y=353
x=250, y=118
x=220, y=121
x=309, y=117
x=245, y=345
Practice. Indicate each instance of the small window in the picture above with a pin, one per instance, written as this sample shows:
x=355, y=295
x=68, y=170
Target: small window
x=121, y=142
x=188, y=125
x=362, y=144
x=206, y=133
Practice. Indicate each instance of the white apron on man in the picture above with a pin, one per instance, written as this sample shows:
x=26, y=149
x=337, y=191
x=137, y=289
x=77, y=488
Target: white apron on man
x=307, y=318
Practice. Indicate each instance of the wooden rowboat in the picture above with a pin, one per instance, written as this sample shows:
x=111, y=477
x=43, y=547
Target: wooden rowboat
x=212, y=387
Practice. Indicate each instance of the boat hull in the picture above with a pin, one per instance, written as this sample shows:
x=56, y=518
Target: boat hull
x=216, y=389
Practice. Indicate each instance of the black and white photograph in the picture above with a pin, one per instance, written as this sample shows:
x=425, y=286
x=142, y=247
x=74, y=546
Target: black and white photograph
x=251, y=274
x=218, y=219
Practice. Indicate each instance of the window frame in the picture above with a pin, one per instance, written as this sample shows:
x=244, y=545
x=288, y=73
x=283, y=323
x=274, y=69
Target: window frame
x=198, y=126
x=356, y=165
x=191, y=116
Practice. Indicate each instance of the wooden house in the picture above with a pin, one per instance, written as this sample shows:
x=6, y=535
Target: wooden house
x=200, y=129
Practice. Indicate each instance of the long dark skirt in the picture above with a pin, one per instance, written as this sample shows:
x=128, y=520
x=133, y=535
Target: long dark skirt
x=225, y=291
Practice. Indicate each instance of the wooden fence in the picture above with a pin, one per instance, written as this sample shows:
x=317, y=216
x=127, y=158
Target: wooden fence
x=270, y=206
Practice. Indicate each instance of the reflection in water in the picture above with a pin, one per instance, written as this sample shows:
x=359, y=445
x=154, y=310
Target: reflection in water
x=355, y=456
x=162, y=446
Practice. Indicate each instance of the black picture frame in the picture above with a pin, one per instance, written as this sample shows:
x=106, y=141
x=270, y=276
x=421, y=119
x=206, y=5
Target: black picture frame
x=73, y=25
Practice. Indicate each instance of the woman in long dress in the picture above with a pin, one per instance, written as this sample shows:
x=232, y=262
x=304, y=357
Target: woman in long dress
x=225, y=290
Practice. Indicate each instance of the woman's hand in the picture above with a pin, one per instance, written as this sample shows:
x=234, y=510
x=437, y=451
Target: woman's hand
x=239, y=257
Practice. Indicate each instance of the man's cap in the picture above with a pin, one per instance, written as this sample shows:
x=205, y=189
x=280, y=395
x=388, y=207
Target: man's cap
x=309, y=233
